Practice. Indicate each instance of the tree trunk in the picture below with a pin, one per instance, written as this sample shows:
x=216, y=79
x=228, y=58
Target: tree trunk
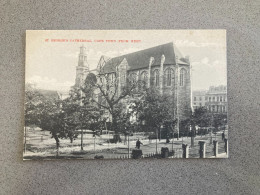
x=57, y=143
x=114, y=128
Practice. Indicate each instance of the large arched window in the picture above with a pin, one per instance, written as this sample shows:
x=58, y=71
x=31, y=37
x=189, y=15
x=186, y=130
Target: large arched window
x=156, y=77
x=133, y=77
x=168, y=76
x=144, y=77
x=182, y=77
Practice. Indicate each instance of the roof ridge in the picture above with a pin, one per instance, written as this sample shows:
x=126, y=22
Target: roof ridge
x=145, y=49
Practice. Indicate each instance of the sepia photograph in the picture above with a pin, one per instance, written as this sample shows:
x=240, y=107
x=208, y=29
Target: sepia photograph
x=125, y=94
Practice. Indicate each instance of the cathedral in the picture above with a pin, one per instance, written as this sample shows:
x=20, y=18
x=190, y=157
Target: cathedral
x=162, y=67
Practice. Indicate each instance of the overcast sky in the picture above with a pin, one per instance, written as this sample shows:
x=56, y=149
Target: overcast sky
x=52, y=65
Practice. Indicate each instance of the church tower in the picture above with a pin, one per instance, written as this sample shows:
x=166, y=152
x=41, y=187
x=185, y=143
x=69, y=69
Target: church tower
x=82, y=68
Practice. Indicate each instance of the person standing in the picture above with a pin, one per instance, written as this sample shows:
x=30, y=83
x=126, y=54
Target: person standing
x=223, y=135
x=138, y=144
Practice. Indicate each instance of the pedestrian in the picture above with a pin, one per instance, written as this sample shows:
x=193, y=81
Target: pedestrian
x=138, y=144
x=223, y=135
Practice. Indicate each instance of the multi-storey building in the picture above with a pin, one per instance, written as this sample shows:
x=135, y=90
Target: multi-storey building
x=199, y=99
x=214, y=99
x=217, y=99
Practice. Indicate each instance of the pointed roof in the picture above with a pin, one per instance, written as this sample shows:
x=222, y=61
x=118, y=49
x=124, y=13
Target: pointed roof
x=140, y=59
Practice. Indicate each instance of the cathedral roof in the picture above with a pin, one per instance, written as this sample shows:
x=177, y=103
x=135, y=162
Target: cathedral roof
x=140, y=59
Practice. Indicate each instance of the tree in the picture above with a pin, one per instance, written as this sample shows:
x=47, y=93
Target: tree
x=155, y=110
x=80, y=113
x=107, y=94
x=46, y=112
x=219, y=120
x=32, y=99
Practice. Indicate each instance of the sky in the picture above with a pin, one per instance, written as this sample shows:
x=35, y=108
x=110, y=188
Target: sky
x=52, y=65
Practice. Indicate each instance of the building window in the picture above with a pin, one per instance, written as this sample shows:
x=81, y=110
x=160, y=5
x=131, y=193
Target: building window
x=217, y=99
x=224, y=99
x=194, y=103
x=209, y=99
x=144, y=77
x=168, y=75
x=206, y=98
x=200, y=98
x=156, y=78
x=200, y=104
x=213, y=108
x=194, y=98
x=213, y=99
x=133, y=77
x=182, y=76
x=221, y=98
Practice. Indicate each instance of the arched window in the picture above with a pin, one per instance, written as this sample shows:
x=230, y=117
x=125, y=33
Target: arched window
x=182, y=77
x=156, y=77
x=133, y=78
x=168, y=75
x=144, y=77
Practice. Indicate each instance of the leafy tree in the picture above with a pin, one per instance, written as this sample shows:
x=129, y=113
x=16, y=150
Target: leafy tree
x=80, y=113
x=155, y=110
x=32, y=99
x=201, y=117
x=219, y=120
x=45, y=112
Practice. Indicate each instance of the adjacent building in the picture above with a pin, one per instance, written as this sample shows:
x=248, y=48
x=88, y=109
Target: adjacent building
x=214, y=99
x=199, y=99
x=217, y=99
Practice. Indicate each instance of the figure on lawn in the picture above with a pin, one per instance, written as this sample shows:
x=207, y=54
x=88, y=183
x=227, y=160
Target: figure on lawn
x=138, y=144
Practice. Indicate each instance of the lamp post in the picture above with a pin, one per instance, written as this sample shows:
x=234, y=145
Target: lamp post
x=172, y=138
x=94, y=142
x=128, y=144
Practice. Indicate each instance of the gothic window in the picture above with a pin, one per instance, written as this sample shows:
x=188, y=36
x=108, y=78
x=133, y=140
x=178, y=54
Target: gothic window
x=144, y=77
x=182, y=77
x=168, y=75
x=112, y=77
x=133, y=77
x=156, y=77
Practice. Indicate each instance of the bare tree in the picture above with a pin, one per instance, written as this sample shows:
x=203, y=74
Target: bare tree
x=107, y=91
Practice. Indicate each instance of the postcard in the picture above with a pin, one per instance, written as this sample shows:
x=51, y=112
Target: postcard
x=125, y=94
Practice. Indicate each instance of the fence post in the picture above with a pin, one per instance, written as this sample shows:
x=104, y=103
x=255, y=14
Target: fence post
x=226, y=145
x=185, y=151
x=202, y=150
x=215, y=149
